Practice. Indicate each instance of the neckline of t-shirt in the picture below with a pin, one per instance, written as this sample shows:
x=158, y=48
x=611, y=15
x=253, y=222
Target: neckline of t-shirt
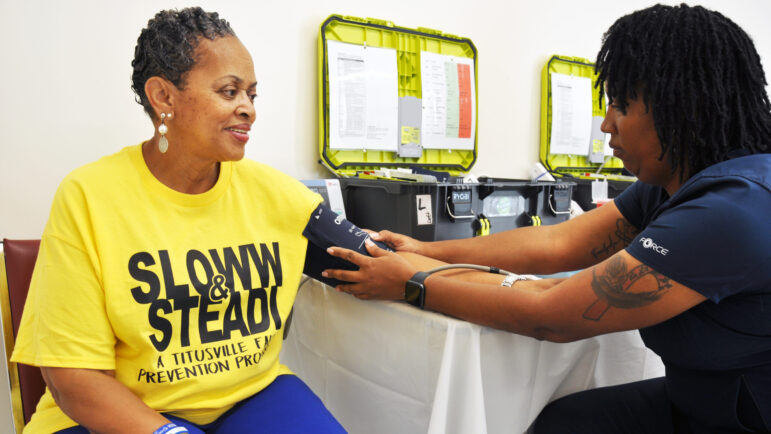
x=158, y=188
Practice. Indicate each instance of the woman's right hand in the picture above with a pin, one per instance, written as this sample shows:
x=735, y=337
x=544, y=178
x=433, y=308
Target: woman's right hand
x=398, y=242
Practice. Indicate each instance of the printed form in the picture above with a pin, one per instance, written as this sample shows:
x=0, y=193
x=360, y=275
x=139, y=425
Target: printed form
x=449, y=101
x=571, y=114
x=363, y=97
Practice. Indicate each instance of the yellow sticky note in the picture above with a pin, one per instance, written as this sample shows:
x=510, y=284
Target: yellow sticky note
x=406, y=135
x=410, y=135
x=416, y=135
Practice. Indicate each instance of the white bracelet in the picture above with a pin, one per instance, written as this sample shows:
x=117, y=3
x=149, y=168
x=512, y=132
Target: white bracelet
x=511, y=278
x=171, y=428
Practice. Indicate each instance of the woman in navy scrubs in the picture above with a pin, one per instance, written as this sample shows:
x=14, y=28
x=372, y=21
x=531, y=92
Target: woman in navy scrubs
x=683, y=254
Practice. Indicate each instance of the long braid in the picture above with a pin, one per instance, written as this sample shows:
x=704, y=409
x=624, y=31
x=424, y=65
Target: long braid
x=700, y=75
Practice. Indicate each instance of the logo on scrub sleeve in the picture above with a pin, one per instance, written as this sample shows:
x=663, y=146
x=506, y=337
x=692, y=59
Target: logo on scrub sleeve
x=649, y=244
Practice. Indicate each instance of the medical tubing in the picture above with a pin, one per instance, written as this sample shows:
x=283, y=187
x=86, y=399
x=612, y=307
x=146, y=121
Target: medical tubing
x=493, y=270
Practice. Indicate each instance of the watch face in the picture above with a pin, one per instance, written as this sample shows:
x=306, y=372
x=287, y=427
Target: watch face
x=415, y=289
x=412, y=292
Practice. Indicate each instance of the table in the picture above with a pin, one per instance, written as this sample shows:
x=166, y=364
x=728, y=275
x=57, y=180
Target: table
x=387, y=367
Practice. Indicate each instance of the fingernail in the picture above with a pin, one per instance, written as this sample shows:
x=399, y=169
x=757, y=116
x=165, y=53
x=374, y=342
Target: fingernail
x=329, y=250
x=324, y=274
x=369, y=242
x=376, y=235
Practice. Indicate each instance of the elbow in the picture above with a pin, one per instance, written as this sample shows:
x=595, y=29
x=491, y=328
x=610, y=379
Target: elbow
x=50, y=376
x=65, y=384
x=543, y=333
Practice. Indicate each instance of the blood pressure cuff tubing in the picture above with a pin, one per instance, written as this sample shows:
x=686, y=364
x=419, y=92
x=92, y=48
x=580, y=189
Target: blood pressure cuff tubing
x=326, y=228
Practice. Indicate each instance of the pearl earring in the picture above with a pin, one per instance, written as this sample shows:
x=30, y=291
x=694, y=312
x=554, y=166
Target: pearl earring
x=163, y=143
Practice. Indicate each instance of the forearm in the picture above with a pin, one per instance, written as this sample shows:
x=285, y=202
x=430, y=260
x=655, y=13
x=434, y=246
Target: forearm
x=478, y=297
x=515, y=309
x=531, y=308
x=572, y=245
x=530, y=250
x=619, y=294
x=424, y=263
x=97, y=401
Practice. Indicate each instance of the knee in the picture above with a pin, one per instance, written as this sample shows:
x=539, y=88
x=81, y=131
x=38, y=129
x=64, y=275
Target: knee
x=555, y=418
x=571, y=414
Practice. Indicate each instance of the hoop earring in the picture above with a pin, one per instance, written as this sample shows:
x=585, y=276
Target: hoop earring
x=163, y=143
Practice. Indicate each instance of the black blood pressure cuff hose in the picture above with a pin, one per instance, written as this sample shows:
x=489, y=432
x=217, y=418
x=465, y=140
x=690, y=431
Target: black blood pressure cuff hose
x=325, y=229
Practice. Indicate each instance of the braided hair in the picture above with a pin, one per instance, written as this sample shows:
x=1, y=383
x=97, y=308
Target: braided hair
x=700, y=74
x=166, y=47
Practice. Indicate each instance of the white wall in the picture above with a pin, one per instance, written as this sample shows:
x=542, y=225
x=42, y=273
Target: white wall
x=65, y=96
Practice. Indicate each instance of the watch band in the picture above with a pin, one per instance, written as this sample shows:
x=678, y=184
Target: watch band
x=415, y=289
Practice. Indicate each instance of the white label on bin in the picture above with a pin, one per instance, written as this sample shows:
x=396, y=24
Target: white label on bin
x=423, y=202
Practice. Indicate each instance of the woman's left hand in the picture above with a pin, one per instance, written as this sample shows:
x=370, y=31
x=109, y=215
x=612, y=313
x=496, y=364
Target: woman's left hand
x=380, y=276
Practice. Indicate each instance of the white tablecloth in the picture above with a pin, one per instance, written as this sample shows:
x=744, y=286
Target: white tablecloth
x=387, y=367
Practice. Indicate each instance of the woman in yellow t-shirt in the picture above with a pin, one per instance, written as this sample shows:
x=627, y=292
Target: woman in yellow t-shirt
x=167, y=271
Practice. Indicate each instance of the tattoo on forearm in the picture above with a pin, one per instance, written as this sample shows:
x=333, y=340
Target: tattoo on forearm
x=624, y=235
x=613, y=288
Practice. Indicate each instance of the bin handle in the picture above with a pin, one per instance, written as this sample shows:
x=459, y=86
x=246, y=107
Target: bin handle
x=456, y=217
x=554, y=210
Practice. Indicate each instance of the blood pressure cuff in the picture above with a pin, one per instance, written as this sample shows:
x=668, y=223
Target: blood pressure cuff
x=325, y=229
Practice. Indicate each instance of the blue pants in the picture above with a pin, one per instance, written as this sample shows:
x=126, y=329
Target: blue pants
x=286, y=406
x=640, y=407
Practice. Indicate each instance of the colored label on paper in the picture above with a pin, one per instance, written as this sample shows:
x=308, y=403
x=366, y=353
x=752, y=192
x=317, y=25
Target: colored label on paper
x=464, y=101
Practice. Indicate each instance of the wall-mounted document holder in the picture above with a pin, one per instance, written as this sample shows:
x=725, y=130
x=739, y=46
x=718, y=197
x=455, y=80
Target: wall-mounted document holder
x=572, y=145
x=394, y=97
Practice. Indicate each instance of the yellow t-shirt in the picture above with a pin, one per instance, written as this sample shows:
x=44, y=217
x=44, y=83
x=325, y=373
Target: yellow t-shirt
x=184, y=296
